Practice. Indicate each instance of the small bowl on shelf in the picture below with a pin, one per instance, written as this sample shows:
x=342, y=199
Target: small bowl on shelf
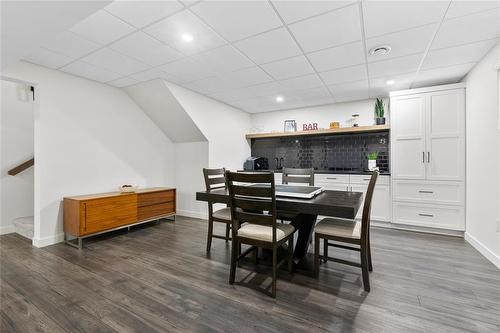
x=127, y=188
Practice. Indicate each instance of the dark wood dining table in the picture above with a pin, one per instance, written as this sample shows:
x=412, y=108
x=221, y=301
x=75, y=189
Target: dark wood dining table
x=343, y=204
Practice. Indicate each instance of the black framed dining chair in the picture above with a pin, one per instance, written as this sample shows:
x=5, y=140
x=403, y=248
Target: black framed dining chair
x=348, y=231
x=215, y=179
x=253, y=214
x=298, y=176
x=295, y=176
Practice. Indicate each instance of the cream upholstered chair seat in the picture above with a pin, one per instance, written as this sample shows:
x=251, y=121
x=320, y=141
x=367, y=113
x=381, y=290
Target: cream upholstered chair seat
x=224, y=214
x=265, y=233
x=339, y=228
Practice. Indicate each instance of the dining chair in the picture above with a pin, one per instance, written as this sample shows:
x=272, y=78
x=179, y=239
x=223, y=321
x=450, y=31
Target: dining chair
x=215, y=179
x=295, y=176
x=348, y=231
x=298, y=176
x=253, y=214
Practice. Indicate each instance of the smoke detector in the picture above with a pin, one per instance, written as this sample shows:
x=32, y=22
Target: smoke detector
x=380, y=50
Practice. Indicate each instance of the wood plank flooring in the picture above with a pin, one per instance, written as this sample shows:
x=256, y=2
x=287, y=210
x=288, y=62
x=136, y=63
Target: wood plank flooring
x=158, y=278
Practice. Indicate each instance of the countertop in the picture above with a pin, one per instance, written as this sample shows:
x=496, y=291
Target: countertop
x=341, y=172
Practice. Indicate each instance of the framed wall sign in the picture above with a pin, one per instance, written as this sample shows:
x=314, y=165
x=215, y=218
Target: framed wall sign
x=290, y=126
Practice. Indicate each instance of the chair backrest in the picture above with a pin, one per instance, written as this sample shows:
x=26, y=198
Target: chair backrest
x=252, y=199
x=299, y=176
x=365, y=219
x=214, y=178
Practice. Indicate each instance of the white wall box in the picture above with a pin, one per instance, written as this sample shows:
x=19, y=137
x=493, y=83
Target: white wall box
x=428, y=156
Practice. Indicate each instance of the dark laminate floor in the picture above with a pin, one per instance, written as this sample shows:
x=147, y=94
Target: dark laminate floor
x=158, y=279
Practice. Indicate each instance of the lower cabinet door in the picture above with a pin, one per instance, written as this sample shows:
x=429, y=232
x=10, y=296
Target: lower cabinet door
x=431, y=216
x=381, y=202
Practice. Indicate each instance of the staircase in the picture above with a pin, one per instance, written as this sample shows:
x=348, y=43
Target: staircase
x=24, y=226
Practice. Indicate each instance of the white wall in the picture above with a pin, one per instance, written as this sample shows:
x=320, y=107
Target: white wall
x=17, y=192
x=323, y=115
x=190, y=159
x=483, y=157
x=89, y=138
x=223, y=126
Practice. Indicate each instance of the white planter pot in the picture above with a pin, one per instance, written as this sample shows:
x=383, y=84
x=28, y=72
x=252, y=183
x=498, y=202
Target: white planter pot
x=372, y=164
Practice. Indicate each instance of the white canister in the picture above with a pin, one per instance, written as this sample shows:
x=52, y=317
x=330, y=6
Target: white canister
x=372, y=164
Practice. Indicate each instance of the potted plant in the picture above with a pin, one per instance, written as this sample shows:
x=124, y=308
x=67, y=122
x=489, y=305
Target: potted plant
x=379, y=112
x=372, y=160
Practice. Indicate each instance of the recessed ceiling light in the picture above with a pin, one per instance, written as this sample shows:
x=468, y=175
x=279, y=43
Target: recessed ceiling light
x=279, y=99
x=187, y=37
x=389, y=82
x=380, y=50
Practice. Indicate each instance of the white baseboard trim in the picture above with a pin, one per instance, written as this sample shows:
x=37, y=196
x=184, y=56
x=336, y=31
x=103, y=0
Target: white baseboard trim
x=50, y=240
x=487, y=253
x=8, y=229
x=192, y=214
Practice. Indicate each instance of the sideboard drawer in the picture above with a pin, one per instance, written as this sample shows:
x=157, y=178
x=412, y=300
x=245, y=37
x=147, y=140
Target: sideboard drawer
x=155, y=211
x=153, y=198
x=107, y=213
x=433, y=216
x=448, y=193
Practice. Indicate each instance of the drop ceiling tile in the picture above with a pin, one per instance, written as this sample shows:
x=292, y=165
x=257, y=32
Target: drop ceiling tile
x=187, y=70
x=292, y=11
x=102, y=27
x=337, y=57
x=401, y=65
x=151, y=74
x=115, y=62
x=468, y=29
x=123, y=82
x=287, y=68
x=141, y=13
x=146, y=49
x=71, y=45
x=315, y=95
x=48, y=58
x=265, y=89
x=210, y=85
x=346, y=74
x=402, y=43
x=269, y=46
x=247, y=77
x=303, y=82
x=89, y=71
x=443, y=75
x=350, y=91
x=461, y=8
x=225, y=59
x=171, y=29
x=382, y=17
x=236, y=20
x=379, y=86
x=331, y=29
x=458, y=55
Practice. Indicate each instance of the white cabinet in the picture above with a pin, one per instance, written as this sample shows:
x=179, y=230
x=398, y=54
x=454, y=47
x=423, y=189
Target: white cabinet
x=408, y=137
x=428, y=156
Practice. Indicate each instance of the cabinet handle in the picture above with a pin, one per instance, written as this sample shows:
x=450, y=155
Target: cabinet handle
x=331, y=177
x=425, y=191
x=428, y=157
x=366, y=178
x=423, y=157
x=426, y=215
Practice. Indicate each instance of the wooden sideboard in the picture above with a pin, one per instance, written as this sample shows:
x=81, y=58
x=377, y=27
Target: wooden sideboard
x=88, y=215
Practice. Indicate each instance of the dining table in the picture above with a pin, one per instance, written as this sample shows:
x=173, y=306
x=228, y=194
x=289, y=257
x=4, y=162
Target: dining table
x=305, y=211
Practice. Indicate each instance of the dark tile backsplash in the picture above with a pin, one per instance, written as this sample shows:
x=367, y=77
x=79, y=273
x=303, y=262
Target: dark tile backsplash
x=342, y=153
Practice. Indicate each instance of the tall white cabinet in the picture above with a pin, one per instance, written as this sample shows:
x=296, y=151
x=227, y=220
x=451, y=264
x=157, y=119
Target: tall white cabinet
x=428, y=157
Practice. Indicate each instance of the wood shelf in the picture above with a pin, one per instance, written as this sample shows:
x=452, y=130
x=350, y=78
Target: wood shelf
x=359, y=129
